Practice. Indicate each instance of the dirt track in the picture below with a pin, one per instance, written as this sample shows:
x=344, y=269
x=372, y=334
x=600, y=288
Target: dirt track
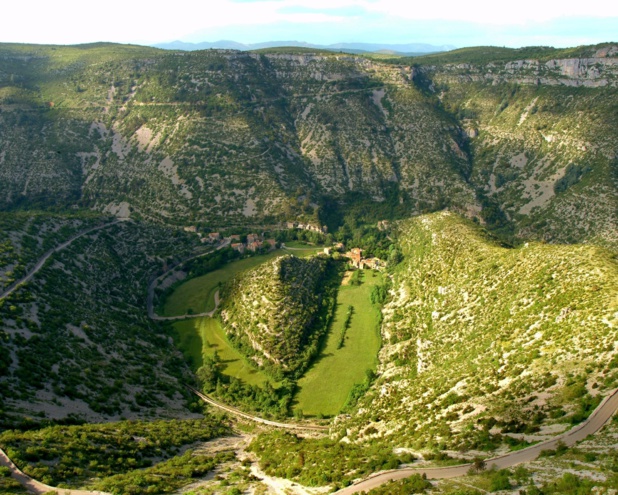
x=257, y=419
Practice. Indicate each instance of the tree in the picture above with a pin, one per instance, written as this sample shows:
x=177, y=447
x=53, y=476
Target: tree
x=478, y=464
x=394, y=257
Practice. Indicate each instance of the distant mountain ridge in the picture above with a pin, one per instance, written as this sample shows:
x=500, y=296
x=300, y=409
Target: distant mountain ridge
x=403, y=48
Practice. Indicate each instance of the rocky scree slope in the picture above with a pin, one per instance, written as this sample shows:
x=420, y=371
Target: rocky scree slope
x=275, y=313
x=483, y=343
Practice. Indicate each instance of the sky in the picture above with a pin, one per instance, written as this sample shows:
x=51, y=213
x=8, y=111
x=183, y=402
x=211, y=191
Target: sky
x=443, y=22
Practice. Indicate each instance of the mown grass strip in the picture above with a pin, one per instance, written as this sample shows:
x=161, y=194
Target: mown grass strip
x=325, y=387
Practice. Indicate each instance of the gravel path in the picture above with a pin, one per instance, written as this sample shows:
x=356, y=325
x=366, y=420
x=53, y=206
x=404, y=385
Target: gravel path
x=257, y=419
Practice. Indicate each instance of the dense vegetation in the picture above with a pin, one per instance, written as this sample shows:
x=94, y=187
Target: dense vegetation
x=82, y=318
x=285, y=455
x=129, y=457
x=494, y=54
x=277, y=313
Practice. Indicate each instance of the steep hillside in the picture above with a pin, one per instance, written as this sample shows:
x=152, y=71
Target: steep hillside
x=483, y=341
x=26, y=237
x=220, y=133
x=543, y=142
x=484, y=347
x=76, y=339
x=525, y=135
x=276, y=312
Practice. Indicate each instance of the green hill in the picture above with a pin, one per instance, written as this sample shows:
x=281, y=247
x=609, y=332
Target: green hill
x=484, y=346
x=277, y=312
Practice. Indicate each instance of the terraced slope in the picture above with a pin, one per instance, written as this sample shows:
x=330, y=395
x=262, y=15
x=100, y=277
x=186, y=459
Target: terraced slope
x=276, y=312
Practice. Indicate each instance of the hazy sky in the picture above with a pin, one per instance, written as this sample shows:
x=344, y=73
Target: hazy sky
x=455, y=22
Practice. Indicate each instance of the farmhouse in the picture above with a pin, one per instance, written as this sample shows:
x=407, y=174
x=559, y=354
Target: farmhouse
x=371, y=263
x=254, y=246
x=355, y=256
x=238, y=246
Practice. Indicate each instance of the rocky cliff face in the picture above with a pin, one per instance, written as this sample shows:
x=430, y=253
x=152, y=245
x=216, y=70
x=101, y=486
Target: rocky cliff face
x=597, y=71
x=228, y=137
x=543, y=148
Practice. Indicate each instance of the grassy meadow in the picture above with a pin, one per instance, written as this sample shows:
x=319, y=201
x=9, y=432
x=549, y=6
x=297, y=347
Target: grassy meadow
x=201, y=337
x=327, y=384
x=198, y=294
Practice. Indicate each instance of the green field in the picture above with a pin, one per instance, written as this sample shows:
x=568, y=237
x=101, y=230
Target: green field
x=325, y=387
x=302, y=249
x=200, y=337
x=198, y=294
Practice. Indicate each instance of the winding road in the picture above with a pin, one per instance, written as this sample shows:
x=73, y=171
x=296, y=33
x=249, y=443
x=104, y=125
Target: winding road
x=25, y=480
x=257, y=419
x=599, y=417
x=39, y=264
x=35, y=486
x=153, y=284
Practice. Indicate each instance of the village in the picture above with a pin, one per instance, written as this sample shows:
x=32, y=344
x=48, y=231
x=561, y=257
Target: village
x=259, y=242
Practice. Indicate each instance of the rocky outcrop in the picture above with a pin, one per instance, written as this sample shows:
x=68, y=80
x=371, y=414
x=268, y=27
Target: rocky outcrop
x=598, y=71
